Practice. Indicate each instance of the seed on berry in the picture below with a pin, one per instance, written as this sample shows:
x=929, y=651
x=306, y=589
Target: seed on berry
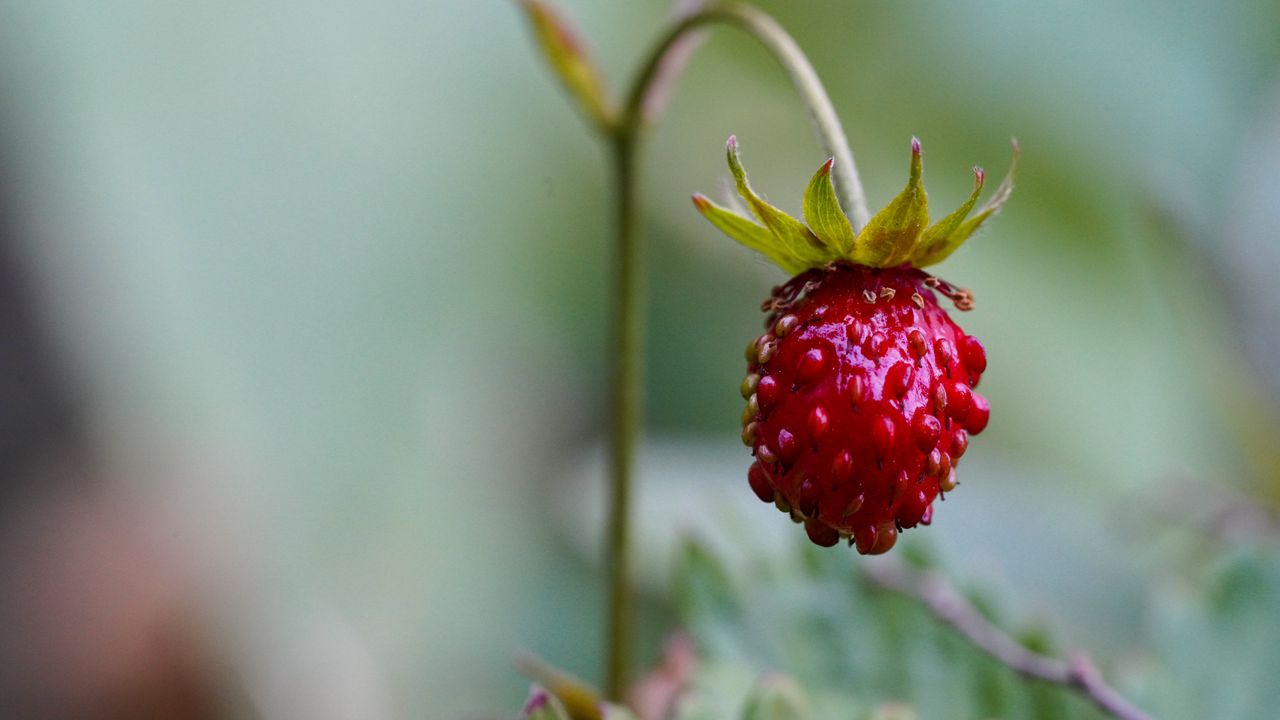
x=749, y=384
x=785, y=325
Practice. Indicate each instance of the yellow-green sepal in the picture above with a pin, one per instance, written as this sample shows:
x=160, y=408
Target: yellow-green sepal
x=943, y=244
x=748, y=233
x=823, y=214
x=941, y=232
x=892, y=233
x=791, y=234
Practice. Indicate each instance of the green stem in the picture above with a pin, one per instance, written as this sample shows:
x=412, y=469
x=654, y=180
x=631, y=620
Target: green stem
x=627, y=347
x=627, y=398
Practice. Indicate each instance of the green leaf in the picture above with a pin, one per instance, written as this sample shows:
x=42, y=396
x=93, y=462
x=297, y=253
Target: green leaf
x=567, y=55
x=941, y=248
x=888, y=239
x=748, y=233
x=822, y=212
x=776, y=697
x=791, y=234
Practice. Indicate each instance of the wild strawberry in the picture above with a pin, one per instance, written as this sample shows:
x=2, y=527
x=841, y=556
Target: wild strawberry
x=860, y=393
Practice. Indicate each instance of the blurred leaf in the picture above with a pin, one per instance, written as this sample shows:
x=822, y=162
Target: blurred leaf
x=777, y=697
x=566, y=52
x=580, y=700
x=542, y=705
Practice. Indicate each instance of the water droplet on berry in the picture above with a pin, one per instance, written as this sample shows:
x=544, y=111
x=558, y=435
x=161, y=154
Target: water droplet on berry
x=819, y=423
x=973, y=355
x=808, y=497
x=945, y=350
x=856, y=332
x=875, y=345
x=864, y=538
x=842, y=467
x=886, y=538
x=758, y=478
x=811, y=365
x=959, y=399
x=767, y=392
x=788, y=448
x=898, y=379
x=857, y=387
x=821, y=533
x=749, y=384
x=882, y=432
x=926, y=518
x=926, y=429
x=979, y=413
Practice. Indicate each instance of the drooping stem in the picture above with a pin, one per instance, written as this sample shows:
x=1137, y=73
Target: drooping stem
x=798, y=68
x=624, y=132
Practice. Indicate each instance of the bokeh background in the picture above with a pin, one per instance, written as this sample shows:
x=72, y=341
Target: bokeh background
x=302, y=317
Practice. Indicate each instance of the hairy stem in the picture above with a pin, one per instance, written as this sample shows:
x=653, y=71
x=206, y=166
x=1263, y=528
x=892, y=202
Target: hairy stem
x=949, y=606
x=624, y=132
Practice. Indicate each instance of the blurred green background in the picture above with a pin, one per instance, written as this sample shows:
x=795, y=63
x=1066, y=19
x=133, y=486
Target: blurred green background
x=326, y=283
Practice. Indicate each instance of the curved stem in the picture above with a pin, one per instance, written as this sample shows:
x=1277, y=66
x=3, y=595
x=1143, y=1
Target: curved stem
x=803, y=77
x=627, y=344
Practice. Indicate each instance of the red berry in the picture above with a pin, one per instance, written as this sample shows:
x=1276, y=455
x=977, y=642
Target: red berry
x=861, y=403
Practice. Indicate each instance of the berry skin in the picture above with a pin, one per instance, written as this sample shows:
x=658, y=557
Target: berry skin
x=862, y=402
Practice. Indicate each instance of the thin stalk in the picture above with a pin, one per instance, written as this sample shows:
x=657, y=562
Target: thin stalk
x=624, y=133
x=627, y=398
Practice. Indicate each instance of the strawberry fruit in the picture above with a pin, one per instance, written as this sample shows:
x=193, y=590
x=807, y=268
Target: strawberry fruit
x=860, y=393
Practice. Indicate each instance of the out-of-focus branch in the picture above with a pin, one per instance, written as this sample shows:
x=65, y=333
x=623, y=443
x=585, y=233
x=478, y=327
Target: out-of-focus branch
x=1212, y=508
x=948, y=605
